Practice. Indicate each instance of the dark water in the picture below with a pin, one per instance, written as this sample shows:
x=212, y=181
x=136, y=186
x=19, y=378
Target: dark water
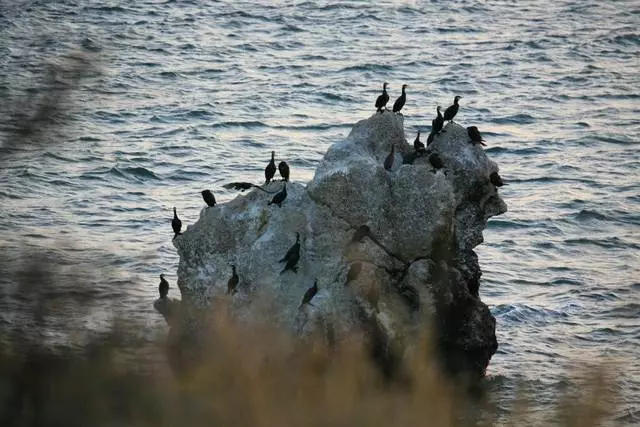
x=187, y=95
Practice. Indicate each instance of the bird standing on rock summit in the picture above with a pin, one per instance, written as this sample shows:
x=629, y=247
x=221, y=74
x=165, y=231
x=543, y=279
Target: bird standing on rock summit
x=308, y=296
x=176, y=224
x=452, y=110
x=382, y=100
x=418, y=145
x=163, y=287
x=475, y=136
x=283, y=168
x=270, y=170
x=279, y=197
x=232, y=284
x=388, y=162
x=208, y=197
x=397, y=106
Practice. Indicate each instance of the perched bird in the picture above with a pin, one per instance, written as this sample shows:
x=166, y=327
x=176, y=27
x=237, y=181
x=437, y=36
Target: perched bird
x=163, y=287
x=293, y=250
x=388, y=162
x=452, y=110
x=291, y=258
x=242, y=186
x=283, y=168
x=438, y=123
x=496, y=179
x=354, y=272
x=208, y=197
x=176, y=224
x=362, y=232
x=232, y=284
x=436, y=161
x=397, y=106
x=309, y=294
x=475, y=136
x=280, y=196
x=418, y=145
x=270, y=170
x=382, y=100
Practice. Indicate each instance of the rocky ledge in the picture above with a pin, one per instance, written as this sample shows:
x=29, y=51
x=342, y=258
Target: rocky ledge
x=412, y=265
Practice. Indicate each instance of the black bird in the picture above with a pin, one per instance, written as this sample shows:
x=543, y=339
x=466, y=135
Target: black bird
x=354, y=272
x=242, y=186
x=176, y=224
x=270, y=170
x=362, y=232
x=308, y=296
x=293, y=250
x=233, y=281
x=451, y=112
x=418, y=145
x=279, y=197
x=475, y=136
x=291, y=258
x=436, y=161
x=397, y=106
x=163, y=287
x=283, y=168
x=208, y=197
x=438, y=123
x=496, y=179
x=388, y=162
x=383, y=98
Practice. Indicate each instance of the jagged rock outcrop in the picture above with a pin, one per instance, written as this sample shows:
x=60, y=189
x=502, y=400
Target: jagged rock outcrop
x=417, y=262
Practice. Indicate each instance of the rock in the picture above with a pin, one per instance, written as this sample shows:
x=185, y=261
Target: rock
x=418, y=263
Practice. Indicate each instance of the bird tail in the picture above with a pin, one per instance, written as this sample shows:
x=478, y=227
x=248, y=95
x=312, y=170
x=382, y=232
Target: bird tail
x=482, y=143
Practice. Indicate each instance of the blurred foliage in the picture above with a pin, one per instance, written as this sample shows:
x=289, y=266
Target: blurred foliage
x=247, y=376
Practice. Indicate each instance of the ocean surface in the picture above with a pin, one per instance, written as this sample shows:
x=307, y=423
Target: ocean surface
x=179, y=96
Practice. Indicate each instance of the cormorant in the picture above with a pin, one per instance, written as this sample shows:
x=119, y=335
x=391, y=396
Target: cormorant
x=451, y=112
x=291, y=258
x=436, y=161
x=382, y=99
x=496, y=179
x=418, y=145
x=270, y=170
x=283, y=168
x=293, y=250
x=362, y=232
x=163, y=287
x=280, y=196
x=388, y=162
x=354, y=272
x=438, y=123
x=242, y=186
x=475, y=136
x=176, y=224
x=208, y=197
x=308, y=296
x=397, y=106
x=233, y=281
